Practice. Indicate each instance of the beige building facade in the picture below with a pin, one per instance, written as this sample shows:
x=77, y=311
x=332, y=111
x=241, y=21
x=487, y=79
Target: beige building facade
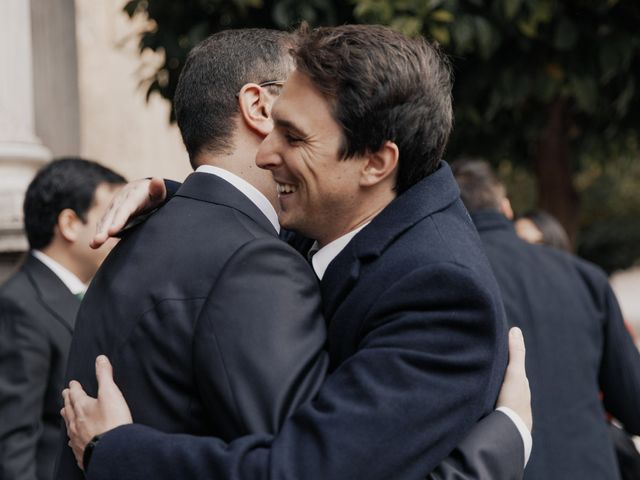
x=72, y=83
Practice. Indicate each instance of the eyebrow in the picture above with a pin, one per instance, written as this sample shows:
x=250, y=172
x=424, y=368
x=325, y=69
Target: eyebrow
x=290, y=126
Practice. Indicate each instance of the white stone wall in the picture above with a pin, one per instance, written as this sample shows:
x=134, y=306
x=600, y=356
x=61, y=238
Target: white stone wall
x=117, y=126
x=72, y=86
x=626, y=285
x=21, y=152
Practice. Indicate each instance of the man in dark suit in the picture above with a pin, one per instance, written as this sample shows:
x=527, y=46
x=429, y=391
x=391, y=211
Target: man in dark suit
x=577, y=343
x=416, y=327
x=38, y=305
x=220, y=293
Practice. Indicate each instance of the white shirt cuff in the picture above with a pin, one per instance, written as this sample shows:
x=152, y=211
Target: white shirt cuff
x=522, y=428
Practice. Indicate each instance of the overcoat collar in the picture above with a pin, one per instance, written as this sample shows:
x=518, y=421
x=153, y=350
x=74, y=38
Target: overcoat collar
x=432, y=194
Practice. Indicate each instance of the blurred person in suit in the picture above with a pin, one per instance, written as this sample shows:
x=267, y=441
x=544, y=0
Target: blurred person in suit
x=577, y=343
x=213, y=323
x=38, y=306
x=538, y=226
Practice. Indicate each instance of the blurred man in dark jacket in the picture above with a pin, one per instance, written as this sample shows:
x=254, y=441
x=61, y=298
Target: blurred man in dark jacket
x=577, y=344
x=38, y=306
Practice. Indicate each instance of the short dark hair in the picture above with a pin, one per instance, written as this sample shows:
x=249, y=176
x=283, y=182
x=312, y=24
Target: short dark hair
x=64, y=183
x=384, y=86
x=216, y=69
x=480, y=188
x=553, y=233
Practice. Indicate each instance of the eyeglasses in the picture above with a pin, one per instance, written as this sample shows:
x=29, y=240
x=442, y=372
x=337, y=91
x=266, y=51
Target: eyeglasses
x=275, y=83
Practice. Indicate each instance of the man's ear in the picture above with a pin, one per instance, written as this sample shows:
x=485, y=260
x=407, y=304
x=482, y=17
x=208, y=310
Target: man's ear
x=380, y=165
x=68, y=225
x=255, y=108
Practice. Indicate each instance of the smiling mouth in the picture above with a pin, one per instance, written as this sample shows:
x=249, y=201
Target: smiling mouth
x=284, y=188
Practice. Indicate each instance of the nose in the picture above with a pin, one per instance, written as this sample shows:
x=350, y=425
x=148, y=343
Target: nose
x=268, y=156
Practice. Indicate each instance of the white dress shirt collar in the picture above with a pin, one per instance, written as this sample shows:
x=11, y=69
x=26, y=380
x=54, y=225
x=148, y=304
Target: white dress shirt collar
x=322, y=257
x=249, y=191
x=71, y=281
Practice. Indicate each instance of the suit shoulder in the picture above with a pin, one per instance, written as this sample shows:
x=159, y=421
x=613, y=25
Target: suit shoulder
x=252, y=228
x=590, y=270
x=188, y=231
x=17, y=289
x=16, y=308
x=590, y=273
x=444, y=237
x=181, y=217
x=270, y=262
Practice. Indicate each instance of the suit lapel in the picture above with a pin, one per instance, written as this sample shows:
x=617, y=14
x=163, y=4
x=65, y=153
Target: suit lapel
x=432, y=194
x=52, y=293
x=210, y=188
x=338, y=280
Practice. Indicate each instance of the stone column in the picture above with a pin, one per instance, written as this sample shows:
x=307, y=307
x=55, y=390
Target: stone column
x=21, y=152
x=55, y=75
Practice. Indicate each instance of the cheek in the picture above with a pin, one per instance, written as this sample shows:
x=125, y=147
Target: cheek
x=263, y=156
x=85, y=234
x=101, y=253
x=343, y=182
x=314, y=164
x=109, y=244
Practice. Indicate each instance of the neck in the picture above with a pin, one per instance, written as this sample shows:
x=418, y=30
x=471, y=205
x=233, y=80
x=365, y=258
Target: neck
x=61, y=255
x=242, y=162
x=356, y=219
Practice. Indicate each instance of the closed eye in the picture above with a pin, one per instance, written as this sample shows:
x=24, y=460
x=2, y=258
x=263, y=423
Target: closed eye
x=291, y=133
x=292, y=139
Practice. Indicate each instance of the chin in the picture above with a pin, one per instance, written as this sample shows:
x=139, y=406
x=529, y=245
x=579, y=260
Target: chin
x=289, y=223
x=285, y=223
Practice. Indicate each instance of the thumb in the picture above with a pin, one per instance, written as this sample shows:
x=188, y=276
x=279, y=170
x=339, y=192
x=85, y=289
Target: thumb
x=104, y=374
x=157, y=191
x=517, y=350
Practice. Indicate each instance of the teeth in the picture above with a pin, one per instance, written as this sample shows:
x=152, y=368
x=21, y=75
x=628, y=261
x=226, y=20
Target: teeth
x=286, y=188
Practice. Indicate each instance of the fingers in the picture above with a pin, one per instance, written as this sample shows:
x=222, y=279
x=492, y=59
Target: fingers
x=76, y=396
x=157, y=192
x=104, y=374
x=109, y=395
x=133, y=198
x=98, y=240
x=102, y=229
x=69, y=412
x=515, y=393
x=517, y=350
x=122, y=214
x=77, y=411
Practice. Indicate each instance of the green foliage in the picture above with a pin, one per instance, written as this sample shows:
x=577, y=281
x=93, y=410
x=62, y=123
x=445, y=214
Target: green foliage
x=513, y=59
x=610, y=233
x=610, y=213
x=177, y=26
